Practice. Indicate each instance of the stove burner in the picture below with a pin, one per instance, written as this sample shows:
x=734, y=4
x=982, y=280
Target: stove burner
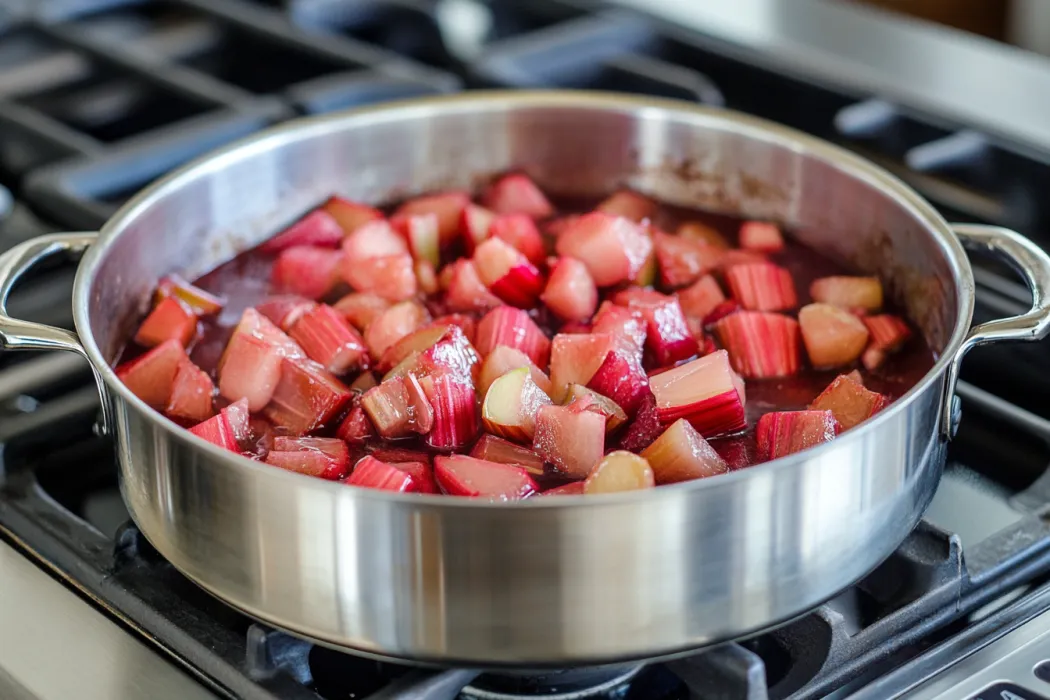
x=569, y=684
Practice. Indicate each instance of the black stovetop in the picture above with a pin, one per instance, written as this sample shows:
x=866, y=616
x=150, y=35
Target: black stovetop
x=98, y=97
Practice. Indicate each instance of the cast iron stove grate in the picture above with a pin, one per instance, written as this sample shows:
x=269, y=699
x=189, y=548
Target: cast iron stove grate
x=154, y=84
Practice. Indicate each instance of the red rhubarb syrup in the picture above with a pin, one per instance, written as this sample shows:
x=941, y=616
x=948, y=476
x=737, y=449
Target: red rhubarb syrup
x=606, y=304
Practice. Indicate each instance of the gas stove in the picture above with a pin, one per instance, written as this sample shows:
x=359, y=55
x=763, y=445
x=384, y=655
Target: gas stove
x=99, y=97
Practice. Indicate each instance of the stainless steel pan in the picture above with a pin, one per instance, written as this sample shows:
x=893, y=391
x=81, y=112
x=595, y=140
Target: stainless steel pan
x=549, y=581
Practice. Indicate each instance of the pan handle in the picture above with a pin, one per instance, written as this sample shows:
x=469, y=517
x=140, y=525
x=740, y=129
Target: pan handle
x=1033, y=264
x=16, y=334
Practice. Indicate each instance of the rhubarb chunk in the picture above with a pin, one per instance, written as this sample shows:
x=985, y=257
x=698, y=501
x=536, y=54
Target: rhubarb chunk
x=668, y=337
x=306, y=398
x=848, y=292
x=455, y=411
x=421, y=472
x=191, y=394
x=391, y=277
x=849, y=400
x=475, y=225
x=629, y=205
x=762, y=287
x=701, y=298
x=218, y=431
x=573, y=441
x=151, y=376
x=376, y=239
x=613, y=248
x=520, y=232
x=787, y=432
x=370, y=473
x=329, y=340
x=761, y=345
x=621, y=376
x=575, y=359
x=621, y=322
x=833, y=337
x=327, y=458
x=614, y=414
x=350, y=215
x=308, y=271
x=397, y=408
x=496, y=449
x=199, y=301
x=682, y=261
x=318, y=228
x=511, y=404
x=706, y=392
x=888, y=334
x=285, y=309
x=761, y=236
x=421, y=233
x=644, y=428
x=361, y=308
x=466, y=291
x=619, y=471
x=446, y=206
x=513, y=328
x=459, y=475
x=517, y=194
x=571, y=293
x=502, y=360
x=434, y=349
x=355, y=428
x=250, y=369
x=682, y=454
x=394, y=324
x=507, y=273
x=169, y=320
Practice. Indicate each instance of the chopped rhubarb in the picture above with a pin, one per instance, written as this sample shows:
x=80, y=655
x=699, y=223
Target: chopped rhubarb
x=507, y=273
x=502, y=359
x=421, y=472
x=762, y=287
x=426, y=277
x=250, y=369
x=420, y=231
x=392, y=325
x=848, y=292
x=621, y=376
x=496, y=449
x=475, y=224
x=355, y=428
x=285, y=309
x=668, y=337
x=739, y=256
x=329, y=340
x=682, y=454
x=572, y=441
x=306, y=398
x=571, y=293
x=519, y=231
x=459, y=475
x=573, y=488
x=575, y=359
x=683, y=261
x=350, y=215
x=761, y=345
x=614, y=415
x=398, y=408
x=169, y=320
x=644, y=428
x=888, y=332
x=466, y=324
x=706, y=392
x=240, y=420
x=326, y=458
x=721, y=311
x=370, y=473
x=376, y=239
x=849, y=400
x=787, y=432
x=151, y=376
x=318, y=228
x=511, y=404
x=700, y=299
x=361, y=308
x=613, y=248
x=702, y=233
x=447, y=206
x=466, y=291
x=629, y=205
x=199, y=301
x=364, y=382
x=512, y=327
x=396, y=455
x=390, y=277
x=833, y=337
x=647, y=274
x=437, y=349
x=455, y=411
x=218, y=431
x=255, y=324
x=619, y=471
x=191, y=394
x=517, y=194
x=308, y=271
x=620, y=321
x=761, y=236
x=637, y=295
